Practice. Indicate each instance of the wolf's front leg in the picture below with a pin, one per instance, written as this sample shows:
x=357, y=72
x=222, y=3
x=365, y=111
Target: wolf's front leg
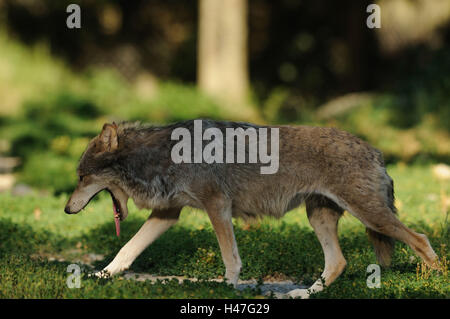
x=158, y=222
x=219, y=213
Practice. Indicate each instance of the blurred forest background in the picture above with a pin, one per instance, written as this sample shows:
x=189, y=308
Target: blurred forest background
x=312, y=62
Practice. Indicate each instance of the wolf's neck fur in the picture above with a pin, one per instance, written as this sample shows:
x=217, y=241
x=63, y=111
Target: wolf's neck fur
x=151, y=188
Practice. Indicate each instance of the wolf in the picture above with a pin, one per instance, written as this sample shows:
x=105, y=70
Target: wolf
x=327, y=169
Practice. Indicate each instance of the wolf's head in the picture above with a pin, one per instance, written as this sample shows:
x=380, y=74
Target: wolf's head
x=97, y=171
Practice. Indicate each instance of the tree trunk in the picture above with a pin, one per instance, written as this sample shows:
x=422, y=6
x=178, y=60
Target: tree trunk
x=222, y=69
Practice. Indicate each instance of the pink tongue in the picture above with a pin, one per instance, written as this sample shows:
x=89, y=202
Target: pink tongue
x=116, y=220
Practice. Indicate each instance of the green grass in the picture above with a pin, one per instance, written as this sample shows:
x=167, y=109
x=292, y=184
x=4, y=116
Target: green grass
x=271, y=248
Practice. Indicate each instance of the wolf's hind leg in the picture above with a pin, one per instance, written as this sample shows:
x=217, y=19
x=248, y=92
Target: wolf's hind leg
x=219, y=212
x=323, y=215
x=158, y=222
x=376, y=215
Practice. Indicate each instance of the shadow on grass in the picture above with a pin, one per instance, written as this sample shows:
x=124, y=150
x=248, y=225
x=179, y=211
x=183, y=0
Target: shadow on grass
x=22, y=239
x=267, y=252
x=281, y=252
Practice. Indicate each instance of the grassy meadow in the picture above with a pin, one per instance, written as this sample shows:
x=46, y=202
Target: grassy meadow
x=38, y=241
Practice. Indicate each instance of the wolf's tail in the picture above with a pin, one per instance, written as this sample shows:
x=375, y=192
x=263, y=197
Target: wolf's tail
x=384, y=245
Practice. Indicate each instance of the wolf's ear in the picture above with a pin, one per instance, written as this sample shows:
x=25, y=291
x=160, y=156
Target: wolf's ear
x=108, y=137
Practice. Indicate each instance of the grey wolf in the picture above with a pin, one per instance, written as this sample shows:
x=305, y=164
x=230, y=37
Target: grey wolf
x=327, y=169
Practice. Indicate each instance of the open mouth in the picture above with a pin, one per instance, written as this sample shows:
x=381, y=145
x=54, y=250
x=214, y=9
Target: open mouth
x=77, y=202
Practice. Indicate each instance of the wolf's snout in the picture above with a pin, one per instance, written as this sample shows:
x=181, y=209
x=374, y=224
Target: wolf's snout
x=67, y=210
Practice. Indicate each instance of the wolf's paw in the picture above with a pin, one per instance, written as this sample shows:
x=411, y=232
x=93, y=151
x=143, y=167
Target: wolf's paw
x=299, y=293
x=231, y=282
x=104, y=274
